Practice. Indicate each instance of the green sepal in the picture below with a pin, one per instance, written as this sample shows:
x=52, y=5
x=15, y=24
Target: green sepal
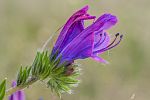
x=60, y=77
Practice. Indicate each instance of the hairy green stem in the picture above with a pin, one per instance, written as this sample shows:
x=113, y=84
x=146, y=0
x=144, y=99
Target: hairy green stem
x=20, y=87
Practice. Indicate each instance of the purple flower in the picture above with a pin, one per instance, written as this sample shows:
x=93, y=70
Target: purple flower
x=19, y=95
x=79, y=42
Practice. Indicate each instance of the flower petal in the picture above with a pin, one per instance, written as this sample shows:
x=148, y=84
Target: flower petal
x=19, y=95
x=72, y=28
x=82, y=45
x=78, y=49
x=99, y=59
x=107, y=21
x=102, y=39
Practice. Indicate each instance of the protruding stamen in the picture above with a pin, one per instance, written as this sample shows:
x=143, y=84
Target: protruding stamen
x=99, y=42
x=121, y=36
x=112, y=41
x=100, y=35
x=103, y=39
x=110, y=45
x=117, y=34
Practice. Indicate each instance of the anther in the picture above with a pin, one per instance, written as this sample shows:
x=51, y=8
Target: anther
x=112, y=44
x=117, y=34
x=101, y=40
x=100, y=34
x=121, y=36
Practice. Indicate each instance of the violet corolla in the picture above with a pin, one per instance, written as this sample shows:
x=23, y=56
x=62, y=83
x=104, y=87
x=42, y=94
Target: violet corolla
x=79, y=42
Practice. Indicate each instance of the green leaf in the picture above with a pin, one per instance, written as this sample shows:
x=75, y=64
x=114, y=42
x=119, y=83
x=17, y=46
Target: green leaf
x=23, y=75
x=48, y=68
x=2, y=89
x=19, y=76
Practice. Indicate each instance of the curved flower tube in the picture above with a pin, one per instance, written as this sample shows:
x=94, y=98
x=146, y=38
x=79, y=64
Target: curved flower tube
x=78, y=42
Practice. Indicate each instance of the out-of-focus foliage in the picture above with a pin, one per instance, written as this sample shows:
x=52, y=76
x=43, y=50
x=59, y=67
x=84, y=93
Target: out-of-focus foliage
x=26, y=24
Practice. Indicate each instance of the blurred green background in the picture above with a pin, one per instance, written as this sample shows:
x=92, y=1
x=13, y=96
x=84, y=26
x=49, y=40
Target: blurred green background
x=26, y=24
